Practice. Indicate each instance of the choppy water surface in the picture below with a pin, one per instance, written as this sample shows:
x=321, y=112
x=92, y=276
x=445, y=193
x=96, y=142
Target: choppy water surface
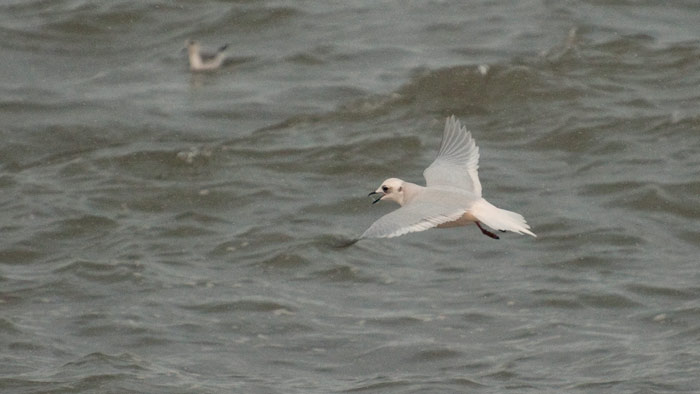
x=164, y=232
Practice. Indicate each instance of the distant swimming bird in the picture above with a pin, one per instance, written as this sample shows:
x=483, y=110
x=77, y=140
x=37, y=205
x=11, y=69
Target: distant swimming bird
x=451, y=197
x=201, y=60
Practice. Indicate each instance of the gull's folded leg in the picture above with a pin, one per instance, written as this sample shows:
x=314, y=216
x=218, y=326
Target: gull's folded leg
x=487, y=232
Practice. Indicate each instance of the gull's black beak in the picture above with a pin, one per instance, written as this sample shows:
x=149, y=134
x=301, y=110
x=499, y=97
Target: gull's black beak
x=377, y=200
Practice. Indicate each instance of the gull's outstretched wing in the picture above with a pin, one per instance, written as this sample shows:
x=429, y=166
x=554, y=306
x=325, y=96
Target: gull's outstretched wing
x=457, y=162
x=418, y=216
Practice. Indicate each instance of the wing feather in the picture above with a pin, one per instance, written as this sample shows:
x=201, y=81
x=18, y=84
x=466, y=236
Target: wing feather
x=412, y=218
x=457, y=162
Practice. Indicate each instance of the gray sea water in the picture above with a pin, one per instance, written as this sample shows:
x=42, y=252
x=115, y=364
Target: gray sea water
x=170, y=232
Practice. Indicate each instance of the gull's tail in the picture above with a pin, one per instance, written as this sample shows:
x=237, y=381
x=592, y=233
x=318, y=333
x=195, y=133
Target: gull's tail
x=500, y=219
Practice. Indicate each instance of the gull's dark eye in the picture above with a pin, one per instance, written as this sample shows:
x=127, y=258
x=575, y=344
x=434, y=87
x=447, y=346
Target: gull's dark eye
x=385, y=189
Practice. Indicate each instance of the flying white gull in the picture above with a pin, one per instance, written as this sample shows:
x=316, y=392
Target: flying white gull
x=201, y=60
x=450, y=198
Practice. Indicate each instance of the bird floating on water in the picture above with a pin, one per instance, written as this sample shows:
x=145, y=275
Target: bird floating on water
x=203, y=60
x=450, y=198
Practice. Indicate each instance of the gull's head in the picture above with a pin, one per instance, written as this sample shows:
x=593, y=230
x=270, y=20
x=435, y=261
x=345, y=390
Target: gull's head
x=391, y=189
x=192, y=46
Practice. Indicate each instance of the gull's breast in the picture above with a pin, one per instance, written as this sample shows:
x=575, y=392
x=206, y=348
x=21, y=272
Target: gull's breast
x=466, y=219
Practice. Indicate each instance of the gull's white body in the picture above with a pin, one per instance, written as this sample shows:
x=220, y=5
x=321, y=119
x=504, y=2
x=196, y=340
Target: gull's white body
x=204, y=61
x=451, y=197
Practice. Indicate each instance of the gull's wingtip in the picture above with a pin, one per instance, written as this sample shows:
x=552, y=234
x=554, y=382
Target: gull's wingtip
x=346, y=243
x=369, y=234
x=452, y=122
x=364, y=235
